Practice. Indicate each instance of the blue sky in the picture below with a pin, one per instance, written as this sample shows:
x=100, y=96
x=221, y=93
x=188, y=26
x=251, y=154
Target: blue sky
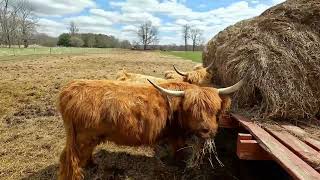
x=120, y=18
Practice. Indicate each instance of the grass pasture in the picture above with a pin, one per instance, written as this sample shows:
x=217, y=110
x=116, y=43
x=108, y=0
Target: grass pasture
x=53, y=50
x=31, y=131
x=195, y=56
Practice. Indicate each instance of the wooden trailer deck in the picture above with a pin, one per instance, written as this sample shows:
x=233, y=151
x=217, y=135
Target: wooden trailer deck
x=288, y=145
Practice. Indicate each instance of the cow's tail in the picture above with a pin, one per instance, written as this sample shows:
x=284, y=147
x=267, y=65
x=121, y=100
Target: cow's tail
x=69, y=160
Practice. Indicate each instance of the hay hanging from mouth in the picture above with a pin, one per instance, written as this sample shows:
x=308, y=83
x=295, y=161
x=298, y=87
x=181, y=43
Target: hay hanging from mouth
x=201, y=150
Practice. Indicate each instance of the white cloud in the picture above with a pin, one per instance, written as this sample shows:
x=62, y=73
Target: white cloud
x=129, y=28
x=89, y=21
x=50, y=27
x=60, y=7
x=125, y=17
x=278, y=1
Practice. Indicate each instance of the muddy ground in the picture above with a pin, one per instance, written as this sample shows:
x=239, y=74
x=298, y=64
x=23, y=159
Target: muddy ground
x=31, y=130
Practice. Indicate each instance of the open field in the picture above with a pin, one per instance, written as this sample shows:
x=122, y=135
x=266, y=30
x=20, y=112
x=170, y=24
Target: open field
x=47, y=50
x=194, y=56
x=32, y=134
x=31, y=131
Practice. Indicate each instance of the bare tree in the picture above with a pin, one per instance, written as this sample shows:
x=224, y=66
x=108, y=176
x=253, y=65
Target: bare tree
x=28, y=21
x=186, y=35
x=196, y=37
x=8, y=21
x=17, y=22
x=147, y=34
x=73, y=28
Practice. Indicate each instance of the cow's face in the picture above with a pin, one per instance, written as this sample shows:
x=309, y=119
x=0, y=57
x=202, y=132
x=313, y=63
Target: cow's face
x=201, y=106
x=200, y=109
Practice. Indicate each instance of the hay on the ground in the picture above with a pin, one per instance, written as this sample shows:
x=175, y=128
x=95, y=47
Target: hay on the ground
x=278, y=54
x=200, y=151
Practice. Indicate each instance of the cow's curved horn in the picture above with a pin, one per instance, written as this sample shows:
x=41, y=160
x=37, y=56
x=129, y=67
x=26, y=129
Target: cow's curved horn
x=231, y=89
x=179, y=72
x=166, y=91
x=210, y=65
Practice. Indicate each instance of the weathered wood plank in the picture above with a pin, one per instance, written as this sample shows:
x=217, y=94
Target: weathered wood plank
x=248, y=149
x=227, y=122
x=305, y=152
x=244, y=136
x=295, y=166
x=315, y=144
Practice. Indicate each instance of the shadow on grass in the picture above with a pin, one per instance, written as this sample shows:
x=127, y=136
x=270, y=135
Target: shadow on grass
x=112, y=166
x=118, y=166
x=121, y=165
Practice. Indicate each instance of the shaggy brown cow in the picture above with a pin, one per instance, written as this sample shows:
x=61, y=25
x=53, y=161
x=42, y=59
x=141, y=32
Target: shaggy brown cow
x=137, y=78
x=200, y=75
x=176, y=76
x=132, y=114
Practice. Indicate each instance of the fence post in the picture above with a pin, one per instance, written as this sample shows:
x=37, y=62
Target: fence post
x=14, y=54
x=50, y=51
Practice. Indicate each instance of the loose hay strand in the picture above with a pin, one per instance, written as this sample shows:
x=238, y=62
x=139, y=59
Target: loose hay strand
x=200, y=151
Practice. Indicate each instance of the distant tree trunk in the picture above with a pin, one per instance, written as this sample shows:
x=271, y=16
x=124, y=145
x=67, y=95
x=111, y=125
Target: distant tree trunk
x=185, y=44
x=8, y=41
x=195, y=35
x=186, y=35
x=25, y=43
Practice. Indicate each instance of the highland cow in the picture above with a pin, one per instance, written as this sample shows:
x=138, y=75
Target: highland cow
x=95, y=111
x=200, y=75
x=137, y=78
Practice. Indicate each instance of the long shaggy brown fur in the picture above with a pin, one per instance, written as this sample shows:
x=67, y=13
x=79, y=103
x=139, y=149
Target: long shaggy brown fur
x=278, y=54
x=123, y=75
x=199, y=76
x=132, y=114
x=172, y=75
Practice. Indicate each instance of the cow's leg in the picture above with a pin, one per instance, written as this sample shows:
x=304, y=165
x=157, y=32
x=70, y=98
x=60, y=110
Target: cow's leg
x=69, y=159
x=87, y=142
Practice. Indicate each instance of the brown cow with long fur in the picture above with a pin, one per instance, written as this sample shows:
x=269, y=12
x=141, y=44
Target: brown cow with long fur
x=176, y=76
x=95, y=111
x=200, y=75
x=137, y=78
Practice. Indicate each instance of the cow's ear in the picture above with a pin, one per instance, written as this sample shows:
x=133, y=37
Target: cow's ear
x=225, y=104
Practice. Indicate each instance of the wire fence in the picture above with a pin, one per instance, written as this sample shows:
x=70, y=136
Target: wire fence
x=53, y=50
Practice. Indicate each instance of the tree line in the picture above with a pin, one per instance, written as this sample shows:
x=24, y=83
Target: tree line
x=91, y=40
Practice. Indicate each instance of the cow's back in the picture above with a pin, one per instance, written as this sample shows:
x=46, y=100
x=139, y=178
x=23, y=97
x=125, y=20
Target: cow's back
x=136, y=112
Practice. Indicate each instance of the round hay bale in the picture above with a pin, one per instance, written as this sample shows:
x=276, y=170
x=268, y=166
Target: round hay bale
x=278, y=55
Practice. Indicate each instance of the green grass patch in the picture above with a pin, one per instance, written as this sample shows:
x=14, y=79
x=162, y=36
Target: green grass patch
x=54, y=50
x=195, y=56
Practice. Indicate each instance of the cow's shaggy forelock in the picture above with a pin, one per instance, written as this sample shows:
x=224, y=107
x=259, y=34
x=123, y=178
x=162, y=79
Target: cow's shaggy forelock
x=201, y=100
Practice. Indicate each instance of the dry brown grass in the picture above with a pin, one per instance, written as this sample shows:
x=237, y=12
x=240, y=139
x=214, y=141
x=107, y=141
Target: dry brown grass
x=278, y=54
x=31, y=131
